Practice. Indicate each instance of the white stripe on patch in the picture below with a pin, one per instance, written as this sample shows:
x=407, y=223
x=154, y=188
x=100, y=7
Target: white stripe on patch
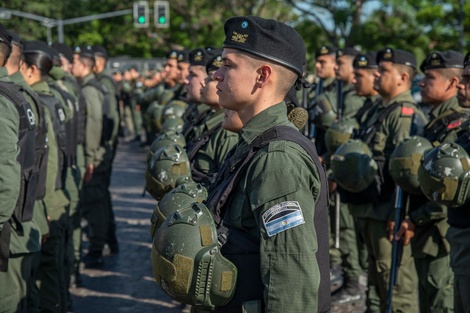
x=282, y=216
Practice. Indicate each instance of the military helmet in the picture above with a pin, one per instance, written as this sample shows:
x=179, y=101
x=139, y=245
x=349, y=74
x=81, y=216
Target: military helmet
x=322, y=113
x=405, y=161
x=175, y=108
x=164, y=140
x=186, y=259
x=178, y=197
x=444, y=175
x=172, y=124
x=339, y=133
x=168, y=168
x=353, y=166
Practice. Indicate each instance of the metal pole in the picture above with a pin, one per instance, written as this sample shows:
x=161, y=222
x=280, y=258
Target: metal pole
x=60, y=31
x=49, y=34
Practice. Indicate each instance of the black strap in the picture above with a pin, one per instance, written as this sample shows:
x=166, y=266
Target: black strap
x=197, y=120
x=193, y=147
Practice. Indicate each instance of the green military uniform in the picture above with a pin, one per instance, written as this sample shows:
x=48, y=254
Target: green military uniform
x=429, y=246
x=39, y=221
x=50, y=278
x=372, y=217
x=92, y=200
x=287, y=259
x=127, y=117
x=208, y=159
x=107, y=81
x=12, y=286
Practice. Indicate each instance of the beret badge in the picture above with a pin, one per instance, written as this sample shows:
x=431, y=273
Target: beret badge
x=198, y=56
x=173, y=55
x=244, y=24
x=387, y=54
x=362, y=61
x=217, y=61
x=241, y=38
x=324, y=50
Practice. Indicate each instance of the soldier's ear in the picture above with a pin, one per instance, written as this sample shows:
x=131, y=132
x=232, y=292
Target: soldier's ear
x=264, y=73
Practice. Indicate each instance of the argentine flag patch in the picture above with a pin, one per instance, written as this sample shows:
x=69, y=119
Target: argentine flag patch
x=282, y=216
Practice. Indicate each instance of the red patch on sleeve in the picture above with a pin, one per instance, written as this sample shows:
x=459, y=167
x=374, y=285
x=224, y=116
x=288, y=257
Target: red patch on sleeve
x=454, y=124
x=407, y=111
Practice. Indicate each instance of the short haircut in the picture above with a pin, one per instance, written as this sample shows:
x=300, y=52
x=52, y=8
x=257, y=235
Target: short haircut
x=406, y=69
x=449, y=73
x=288, y=76
x=5, y=51
x=89, y=62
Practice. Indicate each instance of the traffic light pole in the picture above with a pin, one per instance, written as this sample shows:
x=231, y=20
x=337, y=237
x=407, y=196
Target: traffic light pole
x=49, y=23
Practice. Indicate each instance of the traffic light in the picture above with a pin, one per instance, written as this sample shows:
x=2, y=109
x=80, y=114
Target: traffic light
x=162, y=14
x=141, y=14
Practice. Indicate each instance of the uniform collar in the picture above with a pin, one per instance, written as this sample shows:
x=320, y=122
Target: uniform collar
x=403, y=97
x=87, y=78
x=272, y=116
x=57, y=73
x=41, y=87
x=445, y=106
x=3, y=73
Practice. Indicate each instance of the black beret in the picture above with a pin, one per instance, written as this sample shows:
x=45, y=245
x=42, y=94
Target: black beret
x=183, y=56
x=5, y=37
x=442, y=59
x=15, y=39
x=37, y=46
x=200, y=56
x=397, y=56
x=215, y=62
x=85, y=51
x=267, y=39
x=466, y=61
x=367, y=60
x=131, y=67
x=173, y=54
x=64, y=50
x=346, y=51
x=325, y=50
x=100, y=51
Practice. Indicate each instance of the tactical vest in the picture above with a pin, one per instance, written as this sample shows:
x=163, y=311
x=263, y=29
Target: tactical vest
x=108, y=118
x=243, y=250
x=71, y=126
x=26, y=157
x=189, y=127
x=445, y=123
x=58, y=124
x=42, y=150
x=81, y=116
x=191, y=150
x=23, y=211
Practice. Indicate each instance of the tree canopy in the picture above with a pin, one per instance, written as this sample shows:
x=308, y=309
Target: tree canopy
x=420, y=26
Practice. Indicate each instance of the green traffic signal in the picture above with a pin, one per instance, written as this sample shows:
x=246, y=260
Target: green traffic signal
x=162, y=20
x=141, y=20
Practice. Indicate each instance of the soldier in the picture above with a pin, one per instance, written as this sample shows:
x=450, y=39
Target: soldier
x=101, y=56
x=458, y=218
x=263, y=59
x=353, y=101
x=98, y=153
x=20, y=232
x=66, y=56
x=321, y=118
x=427, y=221
x=208, y=149
x=50, y=277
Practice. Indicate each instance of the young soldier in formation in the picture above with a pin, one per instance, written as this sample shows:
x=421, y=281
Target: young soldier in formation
x=427, y=221
x=98, y=132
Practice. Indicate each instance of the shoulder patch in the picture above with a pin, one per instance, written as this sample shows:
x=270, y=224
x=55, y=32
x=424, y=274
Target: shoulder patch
x=454, y=124
x=407, y=111
x=282, y=216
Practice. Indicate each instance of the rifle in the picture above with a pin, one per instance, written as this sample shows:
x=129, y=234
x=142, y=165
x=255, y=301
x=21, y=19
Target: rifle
x=397, y=246
x=312, y=133
x=340, y=105
x=337, y=212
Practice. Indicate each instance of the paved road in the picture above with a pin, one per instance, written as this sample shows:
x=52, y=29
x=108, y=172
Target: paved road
x=126, y=283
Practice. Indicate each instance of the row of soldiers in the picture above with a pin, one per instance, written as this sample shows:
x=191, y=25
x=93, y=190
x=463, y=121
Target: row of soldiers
x=365, y=96
x=363, y=106
x=58, y=134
